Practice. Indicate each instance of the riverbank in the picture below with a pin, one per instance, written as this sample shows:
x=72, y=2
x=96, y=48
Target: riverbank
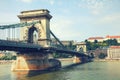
x=65, y=59
x=6, y=61
x=106, y=60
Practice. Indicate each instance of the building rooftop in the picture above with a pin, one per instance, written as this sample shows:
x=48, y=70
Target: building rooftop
x=112, y=37
x=93, y=38
x=114, y=47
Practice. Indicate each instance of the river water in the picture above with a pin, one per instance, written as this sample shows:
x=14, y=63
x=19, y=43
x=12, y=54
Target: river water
x=88, y=71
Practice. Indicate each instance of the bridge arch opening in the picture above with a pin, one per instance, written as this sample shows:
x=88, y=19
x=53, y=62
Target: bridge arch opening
x=32, y=35
x=81, y=49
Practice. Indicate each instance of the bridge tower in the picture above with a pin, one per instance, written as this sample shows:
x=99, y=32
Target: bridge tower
x=37, y=33
x=81, y=47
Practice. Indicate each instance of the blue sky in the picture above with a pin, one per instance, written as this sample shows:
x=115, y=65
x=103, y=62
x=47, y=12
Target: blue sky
x=72, y=19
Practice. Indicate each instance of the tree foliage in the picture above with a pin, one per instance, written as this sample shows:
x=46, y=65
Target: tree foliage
x=8, y=56
x=111, y=42
x=94, y=45
x=102, y=56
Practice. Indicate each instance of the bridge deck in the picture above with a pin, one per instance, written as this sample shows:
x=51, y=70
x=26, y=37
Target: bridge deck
x=58, y=50
x=18, y=46
x=27, y=47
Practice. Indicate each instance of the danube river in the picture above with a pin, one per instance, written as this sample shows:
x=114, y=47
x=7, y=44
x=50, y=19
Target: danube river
x=88, y=71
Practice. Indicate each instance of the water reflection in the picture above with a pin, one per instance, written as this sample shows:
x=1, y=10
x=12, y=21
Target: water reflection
x=19, y=75
x=89, y=71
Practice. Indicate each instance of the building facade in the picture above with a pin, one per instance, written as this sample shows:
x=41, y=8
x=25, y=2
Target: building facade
x=101, y=39
x=97, y=52
x=92, y=39
x=113, y=52
x=64, y=42
x=67, y=42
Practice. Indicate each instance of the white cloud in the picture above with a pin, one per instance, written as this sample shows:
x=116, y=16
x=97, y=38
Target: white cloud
x=92, y=3
x=71, y=28
x=10, y=18
x=26, y=1
x=95, y=12
x=95, y=6
x=52, y=2
x=63, y=28
x=109, y=19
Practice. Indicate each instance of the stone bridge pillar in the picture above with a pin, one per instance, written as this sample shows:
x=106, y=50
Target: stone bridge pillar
x=76, y=59
x=37, y=33
x=30, y=61
x=82, y=59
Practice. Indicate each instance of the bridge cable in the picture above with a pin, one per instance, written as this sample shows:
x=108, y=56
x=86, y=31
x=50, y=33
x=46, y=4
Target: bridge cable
x=57, y=39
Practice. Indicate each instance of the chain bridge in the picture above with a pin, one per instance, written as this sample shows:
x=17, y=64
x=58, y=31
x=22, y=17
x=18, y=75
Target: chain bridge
x=32, y=42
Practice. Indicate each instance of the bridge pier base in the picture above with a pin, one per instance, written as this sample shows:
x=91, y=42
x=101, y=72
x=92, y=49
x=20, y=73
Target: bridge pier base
x=80, y=59
x=76, y=59
x=30, y=61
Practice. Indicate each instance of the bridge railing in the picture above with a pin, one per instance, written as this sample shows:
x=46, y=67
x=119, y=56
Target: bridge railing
x=12, y=31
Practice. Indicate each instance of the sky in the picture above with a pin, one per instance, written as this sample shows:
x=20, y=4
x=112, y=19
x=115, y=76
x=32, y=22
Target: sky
x=72, y=19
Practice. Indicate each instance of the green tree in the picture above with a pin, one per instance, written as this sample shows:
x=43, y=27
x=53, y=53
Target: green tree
x=88, y=45
x=102, y=56
x=110, y=42
x=92, y=55
x=13, y=57
x=94, y=45
x=95, y=41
